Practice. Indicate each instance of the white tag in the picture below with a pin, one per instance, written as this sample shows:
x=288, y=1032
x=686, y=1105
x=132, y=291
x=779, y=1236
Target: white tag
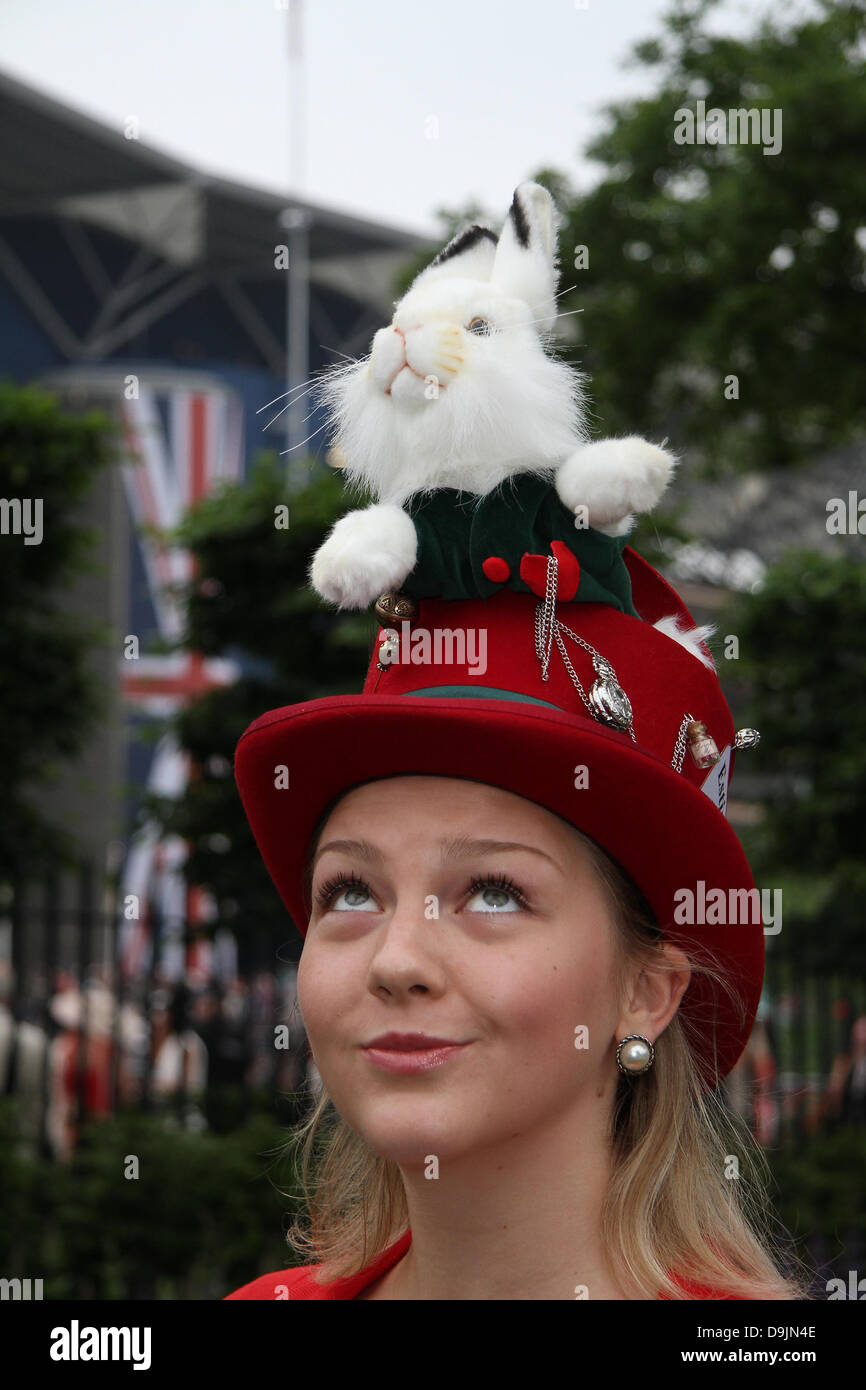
x=715, y=784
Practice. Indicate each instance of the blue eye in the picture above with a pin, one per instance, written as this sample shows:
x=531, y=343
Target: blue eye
x=497, y=895
x=355, y=898
x=354, y=891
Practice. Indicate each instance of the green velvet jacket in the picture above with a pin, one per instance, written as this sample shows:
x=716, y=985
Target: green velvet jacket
x=457, y=532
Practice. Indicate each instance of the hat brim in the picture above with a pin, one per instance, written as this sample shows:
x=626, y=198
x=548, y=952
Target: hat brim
x=666, y=834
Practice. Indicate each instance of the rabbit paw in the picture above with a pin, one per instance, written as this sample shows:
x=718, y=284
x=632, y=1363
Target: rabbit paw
x=366, y=553
x=613, y=478
x=618, y=528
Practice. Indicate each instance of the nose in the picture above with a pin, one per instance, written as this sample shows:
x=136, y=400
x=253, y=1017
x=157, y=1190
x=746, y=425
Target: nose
x=403, y=961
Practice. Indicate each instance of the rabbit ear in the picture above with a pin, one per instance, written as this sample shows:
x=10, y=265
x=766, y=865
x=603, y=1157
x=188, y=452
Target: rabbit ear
x=470, y=253
x=525, y=265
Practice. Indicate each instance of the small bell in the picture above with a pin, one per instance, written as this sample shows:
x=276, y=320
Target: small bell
x=702, y=745
x=747, y=738
x=400, y=606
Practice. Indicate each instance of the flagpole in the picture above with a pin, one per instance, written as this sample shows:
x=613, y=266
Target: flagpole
x=296, y=220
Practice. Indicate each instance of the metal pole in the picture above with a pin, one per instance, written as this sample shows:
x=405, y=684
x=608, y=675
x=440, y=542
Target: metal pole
x=84, y=947
x=51, y=928
x=296, y=220
x=298, y=318
x=297, y=132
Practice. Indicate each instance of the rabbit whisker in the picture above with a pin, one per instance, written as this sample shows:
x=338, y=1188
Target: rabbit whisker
x=341, y=354
x=301, y=386
x=565, y=315
x=287, y=405
x=304, y=441
x=310, y=382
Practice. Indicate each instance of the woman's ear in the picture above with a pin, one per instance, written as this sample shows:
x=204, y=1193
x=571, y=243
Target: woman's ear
x=654, y=994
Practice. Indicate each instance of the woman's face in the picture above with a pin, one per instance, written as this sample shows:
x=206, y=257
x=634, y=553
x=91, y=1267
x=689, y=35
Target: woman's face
x=466, y=913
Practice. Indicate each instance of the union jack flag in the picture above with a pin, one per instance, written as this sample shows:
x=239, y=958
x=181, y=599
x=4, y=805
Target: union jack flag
x=181, y=444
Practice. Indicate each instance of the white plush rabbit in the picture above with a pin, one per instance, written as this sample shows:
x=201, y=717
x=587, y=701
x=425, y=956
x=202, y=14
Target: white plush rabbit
x=460, y=392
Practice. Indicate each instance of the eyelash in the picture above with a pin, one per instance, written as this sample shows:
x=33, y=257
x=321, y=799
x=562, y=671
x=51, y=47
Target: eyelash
x=340, y=882
x=500, y=881
x=328, y=890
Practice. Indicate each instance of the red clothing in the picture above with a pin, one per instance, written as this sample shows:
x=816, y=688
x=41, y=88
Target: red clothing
x=298, y=1283
x=72, y=1049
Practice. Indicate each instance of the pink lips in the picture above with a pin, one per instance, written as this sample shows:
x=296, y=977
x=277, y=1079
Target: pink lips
x=410, y=1052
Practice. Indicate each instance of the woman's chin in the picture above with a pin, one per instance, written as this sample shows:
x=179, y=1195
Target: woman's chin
x=411, y=1152
x=411, y=1134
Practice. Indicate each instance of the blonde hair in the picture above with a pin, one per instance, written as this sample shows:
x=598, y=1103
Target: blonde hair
x=669, y=1208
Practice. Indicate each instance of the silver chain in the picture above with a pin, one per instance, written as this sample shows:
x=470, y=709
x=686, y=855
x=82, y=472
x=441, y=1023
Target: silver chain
x=545, y=618
x=549, y=629
x=680, y=746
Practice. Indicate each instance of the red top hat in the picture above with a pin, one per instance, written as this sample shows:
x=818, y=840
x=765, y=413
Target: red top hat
x=482, y=689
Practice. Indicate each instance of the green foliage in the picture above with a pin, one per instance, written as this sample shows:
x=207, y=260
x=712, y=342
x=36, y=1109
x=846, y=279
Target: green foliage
x=681, y=290
x=51, y=699
x=205, y=1215
x=208, y=1212
x=819, y=1185
x=803, y=667
x=252, y=601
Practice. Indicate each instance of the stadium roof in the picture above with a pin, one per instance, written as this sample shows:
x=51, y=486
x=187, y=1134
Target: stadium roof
x=55, y=160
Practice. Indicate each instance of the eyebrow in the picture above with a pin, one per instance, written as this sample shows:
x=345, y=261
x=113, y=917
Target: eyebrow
x=460, y=848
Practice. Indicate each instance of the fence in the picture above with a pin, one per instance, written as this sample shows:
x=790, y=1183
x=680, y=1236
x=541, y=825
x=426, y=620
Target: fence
x=809, y=1026
x=82, y=1034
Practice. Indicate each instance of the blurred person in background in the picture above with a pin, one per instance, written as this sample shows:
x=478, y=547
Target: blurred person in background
x=846, y=1091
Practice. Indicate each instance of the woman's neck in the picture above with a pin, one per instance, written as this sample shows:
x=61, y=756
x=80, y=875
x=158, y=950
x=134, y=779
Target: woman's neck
x=520, y=1221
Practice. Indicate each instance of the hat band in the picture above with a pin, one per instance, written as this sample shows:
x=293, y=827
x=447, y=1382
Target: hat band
x=481, y=692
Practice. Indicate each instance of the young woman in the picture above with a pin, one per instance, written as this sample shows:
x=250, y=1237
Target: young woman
x=532, y=952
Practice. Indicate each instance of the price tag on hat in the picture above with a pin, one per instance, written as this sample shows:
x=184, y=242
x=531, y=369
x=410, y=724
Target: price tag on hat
x=715, y=784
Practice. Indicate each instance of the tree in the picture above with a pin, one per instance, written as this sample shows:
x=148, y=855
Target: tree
x=803, y=666
x=51, y=699
x=707, y=261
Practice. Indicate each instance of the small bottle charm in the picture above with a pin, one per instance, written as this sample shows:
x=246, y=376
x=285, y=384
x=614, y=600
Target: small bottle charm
x=389, y=650
x=702, y=745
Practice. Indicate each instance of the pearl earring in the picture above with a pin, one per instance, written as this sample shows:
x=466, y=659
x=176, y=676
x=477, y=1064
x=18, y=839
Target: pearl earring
x=635, y=1055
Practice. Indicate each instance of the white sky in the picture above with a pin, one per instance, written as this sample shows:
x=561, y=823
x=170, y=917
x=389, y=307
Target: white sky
x=513, y=85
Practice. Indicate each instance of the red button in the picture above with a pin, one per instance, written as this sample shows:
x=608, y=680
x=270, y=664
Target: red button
x=496, y=569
